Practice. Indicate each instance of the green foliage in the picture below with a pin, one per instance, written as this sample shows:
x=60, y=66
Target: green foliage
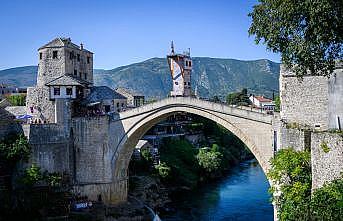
x=17, y=100
x=146, y=155
x=325, y=147
x=277, y=103
x=210, y=161
x=327, y=202
x=32, y=175
x=307, y=33
x=14, y=148
x=238, y=98
x=163, y=170
x=291, y=170
x=291, y=173
x=179, y=156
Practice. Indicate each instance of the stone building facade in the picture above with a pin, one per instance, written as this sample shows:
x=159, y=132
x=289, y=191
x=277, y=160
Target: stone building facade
x=314, y=101
x=65, y=71
x=310, y=117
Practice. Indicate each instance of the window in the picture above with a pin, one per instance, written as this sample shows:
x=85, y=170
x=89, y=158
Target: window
x=78, y=57
x=75, y=72
x=56, y=91
x=176, y=83
x=40, y=55
x=117, y=104
x=86, y=76
x=69, y=91
x=71, y=55
x=185, y=83
x=54, y=54
x=88, y=60
x=189, y=83
x=107, y=108
x=186, y=63
x=122, y=104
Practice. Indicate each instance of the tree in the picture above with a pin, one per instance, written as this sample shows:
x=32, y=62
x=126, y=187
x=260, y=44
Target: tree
x=238, y=98
x=307, y=33
x=277, y=103
x=291, y=172
x=17, y=100
x=210, y=161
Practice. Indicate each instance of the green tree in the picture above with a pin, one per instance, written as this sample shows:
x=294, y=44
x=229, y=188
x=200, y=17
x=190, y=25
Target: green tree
x=163, y=170
x=15, y=148
x=291, y=172
x=277, y=103
x=307, y=33
x=17, y=100
x=238, y=98
x=210, y=161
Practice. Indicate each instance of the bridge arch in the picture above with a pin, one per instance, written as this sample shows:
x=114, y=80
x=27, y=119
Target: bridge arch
x=254, y=129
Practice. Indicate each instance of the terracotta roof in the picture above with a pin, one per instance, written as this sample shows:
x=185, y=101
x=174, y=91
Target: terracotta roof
x=67, y=80
x=263, y=99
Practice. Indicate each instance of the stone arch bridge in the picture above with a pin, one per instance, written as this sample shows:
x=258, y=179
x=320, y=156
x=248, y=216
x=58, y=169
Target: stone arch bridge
x=103, y=145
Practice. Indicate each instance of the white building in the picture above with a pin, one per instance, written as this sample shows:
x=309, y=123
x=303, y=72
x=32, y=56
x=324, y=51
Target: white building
x=262, y=103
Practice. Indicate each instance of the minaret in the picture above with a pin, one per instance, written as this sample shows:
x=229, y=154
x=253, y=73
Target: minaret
x=180, y=66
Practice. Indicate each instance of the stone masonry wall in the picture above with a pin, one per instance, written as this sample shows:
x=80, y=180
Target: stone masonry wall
x=327, y=163
x=292, y=137
x=50, y=68
x=43, y=107
x=336, y=99
x=50, y=146
x=304, y=101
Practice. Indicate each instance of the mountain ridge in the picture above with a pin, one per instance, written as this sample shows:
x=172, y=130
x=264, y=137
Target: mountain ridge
x=211, y=76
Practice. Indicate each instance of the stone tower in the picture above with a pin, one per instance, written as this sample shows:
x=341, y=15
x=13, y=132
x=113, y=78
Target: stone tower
x=65, y=74
x=60, y=57
x=180, y=66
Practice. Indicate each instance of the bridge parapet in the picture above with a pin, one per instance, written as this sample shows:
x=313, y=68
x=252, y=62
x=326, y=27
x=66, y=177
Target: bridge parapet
x=200, y=104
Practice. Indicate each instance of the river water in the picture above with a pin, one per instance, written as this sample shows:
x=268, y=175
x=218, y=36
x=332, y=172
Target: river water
x=241, y=195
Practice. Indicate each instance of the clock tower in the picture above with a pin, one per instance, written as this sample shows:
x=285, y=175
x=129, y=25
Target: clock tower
x=180, y=66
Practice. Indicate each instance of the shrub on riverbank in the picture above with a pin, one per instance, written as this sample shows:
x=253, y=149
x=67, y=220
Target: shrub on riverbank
x=291, y=172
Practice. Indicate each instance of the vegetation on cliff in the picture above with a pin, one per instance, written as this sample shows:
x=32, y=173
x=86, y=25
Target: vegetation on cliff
x=291, y=172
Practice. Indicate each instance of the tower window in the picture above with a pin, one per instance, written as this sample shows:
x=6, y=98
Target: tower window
x=88, y=60
x=78, y=57
x=56, y=91
x=69, y=91
x=85, y=75
x=75, y=72
x=189, y=83
x=54, y=54
x=40, y=55
x=176, y=83
x=190, y=64
x=71, y=55
x=185, y=83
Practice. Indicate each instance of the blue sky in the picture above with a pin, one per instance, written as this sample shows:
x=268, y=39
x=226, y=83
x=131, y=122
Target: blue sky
x=125, y=32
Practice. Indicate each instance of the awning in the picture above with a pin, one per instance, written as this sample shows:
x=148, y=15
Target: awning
x=22, y=117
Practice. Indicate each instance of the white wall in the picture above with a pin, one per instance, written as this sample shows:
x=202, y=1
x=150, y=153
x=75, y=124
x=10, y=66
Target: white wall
x=63, y=92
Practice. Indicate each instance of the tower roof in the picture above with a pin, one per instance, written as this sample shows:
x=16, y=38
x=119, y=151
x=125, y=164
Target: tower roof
x=67, y=80
x=62, y=42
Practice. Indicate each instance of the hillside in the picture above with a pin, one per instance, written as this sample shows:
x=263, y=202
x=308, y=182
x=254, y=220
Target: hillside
x=212, y=76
